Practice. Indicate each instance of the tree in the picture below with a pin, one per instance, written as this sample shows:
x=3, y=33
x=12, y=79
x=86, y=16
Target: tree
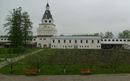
x=18, y=25
x=124, y=34
x=108, y=35
x=101, y=34
x=14, y=27
x=26, y=27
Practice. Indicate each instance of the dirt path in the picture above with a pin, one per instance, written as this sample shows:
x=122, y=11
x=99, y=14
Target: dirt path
x=117, y=77
x=15, y=59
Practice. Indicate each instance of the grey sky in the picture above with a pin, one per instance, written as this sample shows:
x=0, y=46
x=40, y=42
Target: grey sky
x=74, y=16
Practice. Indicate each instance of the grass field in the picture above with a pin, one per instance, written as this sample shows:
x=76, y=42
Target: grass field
x=54, y=61
x=9, y=52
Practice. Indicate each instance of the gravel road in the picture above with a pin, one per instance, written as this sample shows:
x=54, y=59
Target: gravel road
x=113, y=77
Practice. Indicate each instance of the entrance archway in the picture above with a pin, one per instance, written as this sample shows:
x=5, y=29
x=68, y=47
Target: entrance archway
x=45, y=46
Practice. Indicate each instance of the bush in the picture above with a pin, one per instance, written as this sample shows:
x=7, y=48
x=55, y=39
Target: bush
x=19, y=50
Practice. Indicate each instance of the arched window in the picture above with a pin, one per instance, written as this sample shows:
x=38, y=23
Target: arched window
x=49, y=21
x=45, y=21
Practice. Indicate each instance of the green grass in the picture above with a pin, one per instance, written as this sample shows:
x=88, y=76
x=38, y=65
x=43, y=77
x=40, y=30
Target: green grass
x=58, y=70
x=7, y=52
x=54, y=61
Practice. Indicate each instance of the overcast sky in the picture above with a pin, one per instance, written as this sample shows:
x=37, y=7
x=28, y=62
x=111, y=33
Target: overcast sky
x=74, y=16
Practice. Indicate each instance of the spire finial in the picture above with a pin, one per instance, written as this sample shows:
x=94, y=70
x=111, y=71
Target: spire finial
x=47, y=6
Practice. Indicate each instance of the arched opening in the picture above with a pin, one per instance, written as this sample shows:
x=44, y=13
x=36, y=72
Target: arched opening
x=44, y=46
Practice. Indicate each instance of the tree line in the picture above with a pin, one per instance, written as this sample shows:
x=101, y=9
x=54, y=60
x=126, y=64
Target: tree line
x=123, y=34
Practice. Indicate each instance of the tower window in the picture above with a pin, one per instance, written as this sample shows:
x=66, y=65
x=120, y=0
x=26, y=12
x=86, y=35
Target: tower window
x=98, y=41
x=81, y=41
x=69, y=41
x=92, y=41
x=86, y=41
x=40, y=38
x=45, y=21
x=53, y=41
x=75, y=41
x=64, y=41
x=58, y=41
x=49, y=21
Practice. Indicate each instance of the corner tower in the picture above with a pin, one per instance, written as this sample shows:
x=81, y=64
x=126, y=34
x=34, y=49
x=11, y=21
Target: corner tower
x=46, y=29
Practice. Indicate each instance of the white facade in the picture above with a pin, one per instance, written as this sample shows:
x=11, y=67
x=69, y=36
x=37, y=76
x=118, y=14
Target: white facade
x=76, y=42
x=46, y=30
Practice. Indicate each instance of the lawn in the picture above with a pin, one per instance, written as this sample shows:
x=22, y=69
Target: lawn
x=9, y=52
x=54, y=61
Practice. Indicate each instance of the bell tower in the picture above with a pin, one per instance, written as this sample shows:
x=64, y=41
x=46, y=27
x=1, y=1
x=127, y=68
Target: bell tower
x=46, y=29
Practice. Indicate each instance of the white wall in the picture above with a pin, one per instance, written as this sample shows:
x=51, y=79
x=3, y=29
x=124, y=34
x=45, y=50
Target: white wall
x=78, y=45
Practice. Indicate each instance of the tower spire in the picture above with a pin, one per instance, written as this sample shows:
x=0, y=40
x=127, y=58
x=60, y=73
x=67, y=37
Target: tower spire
x=47, y=15
x=47, y=6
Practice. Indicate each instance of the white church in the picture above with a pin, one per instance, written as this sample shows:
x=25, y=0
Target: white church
x=47, y=38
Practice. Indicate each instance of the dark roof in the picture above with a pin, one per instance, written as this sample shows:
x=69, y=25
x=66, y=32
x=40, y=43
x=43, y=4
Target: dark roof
x=47, y=5
x=47, y=15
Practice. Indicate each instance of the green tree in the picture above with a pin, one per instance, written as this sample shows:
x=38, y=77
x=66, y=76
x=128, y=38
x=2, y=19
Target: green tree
x=101, y=34
x=14, y=26
x=26, y=27
x=124, y=34
x=18, y=26
x=109, y=35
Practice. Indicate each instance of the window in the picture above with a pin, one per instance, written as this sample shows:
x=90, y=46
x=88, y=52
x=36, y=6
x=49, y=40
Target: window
x=44, y=39
x=81, y=41
x=53, y=41
x=92, y=41
x=58, y=41
x=124, y=40
x=98, y=41
x=75, y=41
x=45, y=21
x=105, y=40
x=49, y=21
x=86, y=41
x=1, y=39
x=128, y=40
x=64, y=41
x=109, y=40
x=116, y=39
x=34, y=39
x=4, y=39
x=40, y=38
x=120, y=40
x=69, y=41
x=113, y=40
